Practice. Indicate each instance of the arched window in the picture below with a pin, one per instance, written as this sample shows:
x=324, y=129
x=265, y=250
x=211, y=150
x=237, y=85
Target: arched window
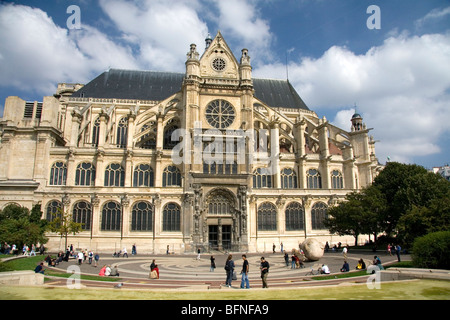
x=171, y=217
x=142, y=216
x=95, y=132
x=58, y=174
x=294, y=216
x=54, y=210
x=143, y=176
x=148, y=140
x=318, y=215
x=114, y=175
x=262, y=178
x=336, y=180
x=122, y=132
x=171, y=126
x=314, y=179
x=288, y=179
x=171, y=177
x=85, y=174
x=267, y=217
x=111, y=214
x=81, y=213
x=220, y=202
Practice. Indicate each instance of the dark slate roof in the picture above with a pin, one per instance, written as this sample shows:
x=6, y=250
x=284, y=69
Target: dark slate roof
x=152, y=85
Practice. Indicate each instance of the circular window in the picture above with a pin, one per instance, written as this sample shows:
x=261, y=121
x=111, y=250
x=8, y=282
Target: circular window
x=219, y=64
x=220, y=114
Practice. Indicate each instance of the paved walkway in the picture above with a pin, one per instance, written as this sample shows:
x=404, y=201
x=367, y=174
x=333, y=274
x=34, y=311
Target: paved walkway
x=186, y=272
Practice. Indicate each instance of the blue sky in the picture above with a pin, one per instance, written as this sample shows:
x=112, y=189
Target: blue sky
x=398, y=76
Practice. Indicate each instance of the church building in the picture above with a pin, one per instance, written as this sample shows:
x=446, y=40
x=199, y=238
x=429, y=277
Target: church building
x=208, y=158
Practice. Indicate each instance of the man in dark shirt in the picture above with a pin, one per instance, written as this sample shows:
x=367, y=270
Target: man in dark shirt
x=39, y=268
x=264, y=271
x=244, y=272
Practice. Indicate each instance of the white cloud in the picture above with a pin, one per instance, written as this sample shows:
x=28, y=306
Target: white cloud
x=162, y=29
x=39, y=54
x=401, y=88
x=433, y=15
x=241, y=19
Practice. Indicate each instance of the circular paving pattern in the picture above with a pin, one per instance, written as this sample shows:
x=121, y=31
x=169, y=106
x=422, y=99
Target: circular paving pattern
x=185, y=271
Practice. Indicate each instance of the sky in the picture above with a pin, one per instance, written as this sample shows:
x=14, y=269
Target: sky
x=388, y=60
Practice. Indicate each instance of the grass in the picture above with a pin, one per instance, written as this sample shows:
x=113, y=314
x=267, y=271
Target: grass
x=29, y=263
x=404, y=290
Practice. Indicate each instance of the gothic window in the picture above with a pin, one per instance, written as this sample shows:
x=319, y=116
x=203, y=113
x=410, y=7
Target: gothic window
x=219, y=203
x=318, y=215
x=288, y=179
x=122, y=132
x=85, y=174
x=171, y=126
x=82, y=214
x=336, y=179
x=95, y=132
x=220, y=168
x=148, y=140
x=220, y=114
x=143, y=176
x=267, y=217
x=58, y=174
x=142, y=216
x=261, y=178
x=171, y=177
x=171, y=217
x=294, y=216
x=111, y=214
x=54, y=209
x=314, y=180
x=114, y=175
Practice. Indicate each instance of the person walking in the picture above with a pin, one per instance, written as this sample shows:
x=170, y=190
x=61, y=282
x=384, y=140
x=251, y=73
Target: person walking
x=96, y=258
x=213, y=264
x=264, y=272
x=229, y=268
x=344, y=252
x=245, y=268
x=124, y=252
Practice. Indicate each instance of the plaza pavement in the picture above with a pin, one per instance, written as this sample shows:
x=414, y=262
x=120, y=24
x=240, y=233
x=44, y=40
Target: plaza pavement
x=184, y=271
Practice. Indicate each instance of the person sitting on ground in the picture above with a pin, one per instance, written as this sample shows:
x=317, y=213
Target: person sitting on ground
x=102, y=271
x=361, y=265
x=324, y=269
x=114, y=272
x=107, y=270
x=345, y=267
x=39, y=268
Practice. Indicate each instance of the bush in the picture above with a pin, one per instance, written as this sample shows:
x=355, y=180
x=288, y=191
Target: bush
x=432, y=250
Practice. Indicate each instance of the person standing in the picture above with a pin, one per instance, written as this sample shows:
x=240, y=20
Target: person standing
x=244, y=272
x=229, y=268
x=344, y=252
x=133, y=250
x=397, y=251
x=213, y=264
x=264, y=272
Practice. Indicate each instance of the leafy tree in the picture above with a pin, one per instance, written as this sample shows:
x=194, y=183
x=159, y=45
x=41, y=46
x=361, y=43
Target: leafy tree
x=63, y=224
x=358, y=214
x=393, y=182
x=19, y=226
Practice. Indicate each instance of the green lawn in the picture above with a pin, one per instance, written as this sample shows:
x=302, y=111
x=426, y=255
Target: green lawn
x=29, y=263
x=405, y=290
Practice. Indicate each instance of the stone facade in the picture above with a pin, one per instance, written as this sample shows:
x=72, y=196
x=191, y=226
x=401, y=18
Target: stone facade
x=253, y=167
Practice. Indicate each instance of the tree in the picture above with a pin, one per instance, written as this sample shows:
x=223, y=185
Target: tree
x=19, y=226
x=393, y=182
x=63, y=224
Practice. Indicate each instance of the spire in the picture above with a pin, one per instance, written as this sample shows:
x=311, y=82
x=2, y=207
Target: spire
x=208, y=41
